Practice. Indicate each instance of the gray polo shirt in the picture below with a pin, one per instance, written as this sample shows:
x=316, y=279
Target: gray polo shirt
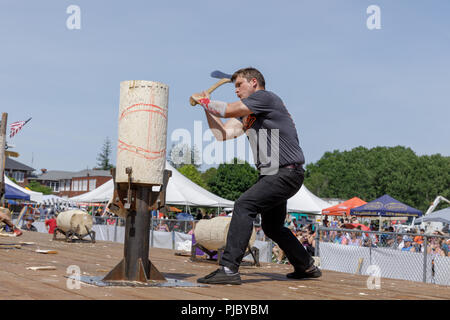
x=271, y=131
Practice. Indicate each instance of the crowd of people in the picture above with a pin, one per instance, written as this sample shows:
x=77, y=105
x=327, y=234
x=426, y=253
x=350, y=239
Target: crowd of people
x=355, y=235
x=412, y=241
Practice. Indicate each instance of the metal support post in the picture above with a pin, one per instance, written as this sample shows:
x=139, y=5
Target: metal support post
x=425, y=258
x=135, y=265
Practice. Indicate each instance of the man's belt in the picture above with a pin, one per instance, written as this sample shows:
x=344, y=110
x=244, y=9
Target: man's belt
x=293, y=166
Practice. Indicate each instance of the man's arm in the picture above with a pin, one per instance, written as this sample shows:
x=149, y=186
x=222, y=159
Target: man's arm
x=231, y=129
x=222, y=109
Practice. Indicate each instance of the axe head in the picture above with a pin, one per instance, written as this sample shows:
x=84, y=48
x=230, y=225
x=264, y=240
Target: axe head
x=220, y=75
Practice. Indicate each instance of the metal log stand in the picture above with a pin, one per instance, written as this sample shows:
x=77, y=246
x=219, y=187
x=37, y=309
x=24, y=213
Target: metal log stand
x=71, y=236
x=135, y=265
x=253, y=251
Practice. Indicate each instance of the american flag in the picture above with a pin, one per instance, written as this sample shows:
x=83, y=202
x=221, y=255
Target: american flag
x=16, y=126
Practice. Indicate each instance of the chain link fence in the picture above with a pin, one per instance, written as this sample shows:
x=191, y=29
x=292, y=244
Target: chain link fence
x=406, y=256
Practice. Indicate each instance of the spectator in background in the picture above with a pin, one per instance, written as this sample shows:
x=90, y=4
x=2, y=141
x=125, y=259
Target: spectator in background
x=111, y=220
x=50, y=224
x=434, y=247
x=354, y=240
x=295, y=224
x=384, y=238
x=278, y=255
x=355, y=220
x=28, y=225
x=42, y=212
x=325, y=222
x=345, y=239
x=418, y=241
x=310, y=245
x=163, y=227
x=334, y=224
x=199, y=215
x=338, y=238
x=408, y=245
x=390, y=239
x=445, y=246
x=398, y=243
x=97, y=216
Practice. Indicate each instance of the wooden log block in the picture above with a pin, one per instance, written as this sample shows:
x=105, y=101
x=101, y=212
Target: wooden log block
x=75, y=221
x=46, y=251
x=7, y=235
x=212, y=233
x=142, y=132
x=42, y=268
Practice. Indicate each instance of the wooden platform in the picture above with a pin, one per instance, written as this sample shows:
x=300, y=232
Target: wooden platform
x=267, y=282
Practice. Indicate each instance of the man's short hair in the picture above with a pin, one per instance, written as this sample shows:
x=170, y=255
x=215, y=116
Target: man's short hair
x=250, y=73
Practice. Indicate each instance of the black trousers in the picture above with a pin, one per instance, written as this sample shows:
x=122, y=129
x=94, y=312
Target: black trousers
x=268, y=196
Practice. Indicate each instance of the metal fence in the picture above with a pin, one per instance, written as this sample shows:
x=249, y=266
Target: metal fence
x=406, y=256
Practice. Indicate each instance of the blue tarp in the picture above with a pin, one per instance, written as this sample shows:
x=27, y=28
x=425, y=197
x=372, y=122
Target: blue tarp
x=386, y=206
x=13, y=193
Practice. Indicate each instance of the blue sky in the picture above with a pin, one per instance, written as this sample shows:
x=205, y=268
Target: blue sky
x=344, y=85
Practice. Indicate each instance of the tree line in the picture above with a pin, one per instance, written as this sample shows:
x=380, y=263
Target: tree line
x=370, y=173
x=361, y=172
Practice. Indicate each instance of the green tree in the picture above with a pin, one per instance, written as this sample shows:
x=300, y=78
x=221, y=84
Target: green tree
x=208, y=175
x=232, y=179
x=36, y=186
x=103, y=161
x=371, y=173
x=191, y=172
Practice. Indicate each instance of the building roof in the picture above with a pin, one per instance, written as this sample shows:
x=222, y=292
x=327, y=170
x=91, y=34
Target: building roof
x=55, y=175
x=92, y=173
x=11, y=164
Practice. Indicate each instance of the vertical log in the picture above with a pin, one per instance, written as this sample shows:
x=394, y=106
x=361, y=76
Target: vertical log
x=142, y=132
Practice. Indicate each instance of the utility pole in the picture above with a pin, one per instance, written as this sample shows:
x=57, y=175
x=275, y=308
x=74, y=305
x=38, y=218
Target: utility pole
x=2, y=155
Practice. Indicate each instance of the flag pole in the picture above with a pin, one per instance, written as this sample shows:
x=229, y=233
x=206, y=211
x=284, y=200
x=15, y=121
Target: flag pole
x=2, y=156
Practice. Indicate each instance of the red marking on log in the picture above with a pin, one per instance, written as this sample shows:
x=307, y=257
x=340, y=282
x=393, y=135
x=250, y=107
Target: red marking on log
x=127, y=110
x=121, y=143
x=147, y=110
x=142, y=155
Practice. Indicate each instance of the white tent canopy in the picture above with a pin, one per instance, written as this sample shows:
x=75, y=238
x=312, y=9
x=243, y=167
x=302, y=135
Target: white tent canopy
x=34, y=196
x=103, y=193
x=180, y=191
x=305, y=201
x=437, y=216
x=52, y=199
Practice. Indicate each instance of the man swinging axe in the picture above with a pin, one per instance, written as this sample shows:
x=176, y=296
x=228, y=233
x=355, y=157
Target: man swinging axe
x=262, y=115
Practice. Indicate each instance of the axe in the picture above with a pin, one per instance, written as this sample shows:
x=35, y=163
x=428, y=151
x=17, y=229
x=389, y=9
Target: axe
x=211, y=89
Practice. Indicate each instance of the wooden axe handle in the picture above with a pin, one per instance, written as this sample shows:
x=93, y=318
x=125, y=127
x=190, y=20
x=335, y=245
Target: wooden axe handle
x=211, y=89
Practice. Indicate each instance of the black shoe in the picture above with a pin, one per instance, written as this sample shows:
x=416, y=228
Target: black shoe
x=312, y=272
x=221, y=277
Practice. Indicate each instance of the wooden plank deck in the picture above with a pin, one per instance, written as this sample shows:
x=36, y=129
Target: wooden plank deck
x=267, y=282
